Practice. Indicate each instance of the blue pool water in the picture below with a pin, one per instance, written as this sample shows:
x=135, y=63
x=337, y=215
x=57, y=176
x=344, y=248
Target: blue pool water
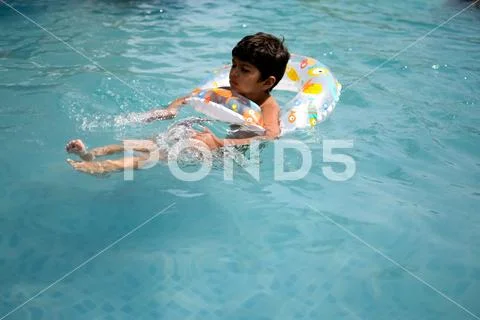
x=399, y=240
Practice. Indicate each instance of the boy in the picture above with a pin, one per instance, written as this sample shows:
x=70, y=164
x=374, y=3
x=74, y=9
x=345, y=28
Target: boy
x=258, y=64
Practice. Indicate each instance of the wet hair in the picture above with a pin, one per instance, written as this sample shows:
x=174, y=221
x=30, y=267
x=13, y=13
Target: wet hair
x=266, y=52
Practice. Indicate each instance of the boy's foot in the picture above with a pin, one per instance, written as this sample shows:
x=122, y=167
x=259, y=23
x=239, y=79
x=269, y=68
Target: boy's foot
x=76, y=147
x=86, y=166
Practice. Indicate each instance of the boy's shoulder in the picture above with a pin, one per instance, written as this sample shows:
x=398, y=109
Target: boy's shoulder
x=271, y=104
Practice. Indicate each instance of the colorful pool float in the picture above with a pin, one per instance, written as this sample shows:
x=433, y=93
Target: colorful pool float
x=317, y=90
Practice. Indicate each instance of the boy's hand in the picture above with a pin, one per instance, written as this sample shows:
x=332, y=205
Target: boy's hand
x=160, y=114
x=210, y=139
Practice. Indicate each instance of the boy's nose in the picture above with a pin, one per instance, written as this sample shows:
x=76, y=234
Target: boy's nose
x=233, y=73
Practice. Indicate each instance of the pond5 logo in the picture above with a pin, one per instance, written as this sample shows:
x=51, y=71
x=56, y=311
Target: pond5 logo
x=331, y=157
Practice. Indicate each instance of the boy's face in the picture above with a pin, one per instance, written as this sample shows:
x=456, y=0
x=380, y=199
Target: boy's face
x=245, y=79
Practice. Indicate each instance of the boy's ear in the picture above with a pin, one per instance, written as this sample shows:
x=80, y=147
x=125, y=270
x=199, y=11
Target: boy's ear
x=269, y=82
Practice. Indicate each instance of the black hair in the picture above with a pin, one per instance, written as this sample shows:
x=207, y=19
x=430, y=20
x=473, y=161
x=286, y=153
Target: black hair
x=266, y=52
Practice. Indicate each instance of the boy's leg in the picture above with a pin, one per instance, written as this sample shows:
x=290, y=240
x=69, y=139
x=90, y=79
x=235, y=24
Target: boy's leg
x=107, y=150
x=99, y=167
x=78, y=147
x=140, y=145
x=131, y=145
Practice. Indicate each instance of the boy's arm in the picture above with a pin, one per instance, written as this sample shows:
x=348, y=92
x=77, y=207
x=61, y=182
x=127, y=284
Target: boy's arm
x=163, y=114
x=166, y=113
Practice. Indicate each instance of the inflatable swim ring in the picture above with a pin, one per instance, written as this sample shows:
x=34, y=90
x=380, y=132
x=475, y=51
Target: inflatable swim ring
x=222, y=104
x=317, y=91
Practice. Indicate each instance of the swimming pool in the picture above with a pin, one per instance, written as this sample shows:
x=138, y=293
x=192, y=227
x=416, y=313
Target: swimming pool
x=399, y=240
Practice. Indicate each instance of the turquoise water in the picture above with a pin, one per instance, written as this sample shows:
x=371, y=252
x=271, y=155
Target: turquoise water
x=399, y=240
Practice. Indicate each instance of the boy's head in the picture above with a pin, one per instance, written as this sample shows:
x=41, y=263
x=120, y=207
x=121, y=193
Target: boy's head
x=265, y=52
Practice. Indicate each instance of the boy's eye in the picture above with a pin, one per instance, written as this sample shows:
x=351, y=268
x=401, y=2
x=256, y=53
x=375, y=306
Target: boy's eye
x=244, y=69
